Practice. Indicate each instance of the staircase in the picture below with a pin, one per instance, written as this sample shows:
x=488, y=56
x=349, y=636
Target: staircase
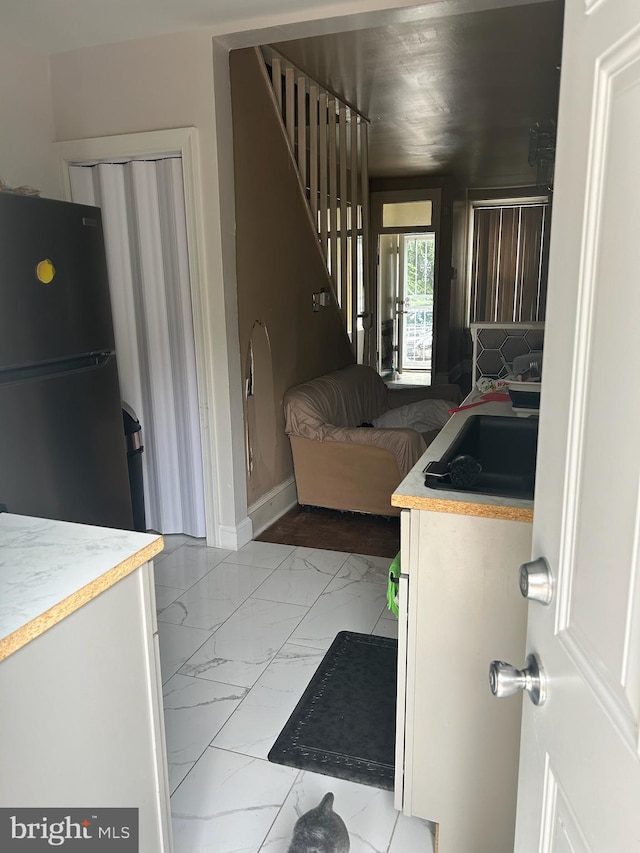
x=328, y=143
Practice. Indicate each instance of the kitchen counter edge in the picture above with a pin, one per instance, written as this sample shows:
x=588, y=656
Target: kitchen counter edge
x=39, y=624
x=458, y=506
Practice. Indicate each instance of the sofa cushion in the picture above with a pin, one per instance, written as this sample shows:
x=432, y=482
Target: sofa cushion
x=423, y=416
x=344, y=398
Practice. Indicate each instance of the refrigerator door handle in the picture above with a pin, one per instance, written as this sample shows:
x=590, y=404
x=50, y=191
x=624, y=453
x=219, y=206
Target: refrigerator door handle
x=54, y=368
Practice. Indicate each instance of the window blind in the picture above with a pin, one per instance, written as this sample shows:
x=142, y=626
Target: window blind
x=508, y=263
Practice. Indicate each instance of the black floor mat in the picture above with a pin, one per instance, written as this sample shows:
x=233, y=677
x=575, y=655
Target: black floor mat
x=344, y=724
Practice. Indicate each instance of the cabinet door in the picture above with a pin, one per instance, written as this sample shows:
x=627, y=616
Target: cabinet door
x=87, y=691
x=461, y=745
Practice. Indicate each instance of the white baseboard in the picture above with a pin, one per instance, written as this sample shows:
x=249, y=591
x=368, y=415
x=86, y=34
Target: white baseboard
x=271, y=506
x=233, y=538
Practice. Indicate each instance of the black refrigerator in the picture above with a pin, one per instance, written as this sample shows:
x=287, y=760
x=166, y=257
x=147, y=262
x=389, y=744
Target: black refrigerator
x=62, y=445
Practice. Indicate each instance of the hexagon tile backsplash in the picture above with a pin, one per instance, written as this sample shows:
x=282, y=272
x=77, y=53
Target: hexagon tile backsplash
x=497, y=343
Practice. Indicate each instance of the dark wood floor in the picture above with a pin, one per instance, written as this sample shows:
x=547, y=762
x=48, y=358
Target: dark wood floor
x=373, y=535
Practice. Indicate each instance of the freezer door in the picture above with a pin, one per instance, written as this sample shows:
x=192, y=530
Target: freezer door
x=54, y=290
x=62, y=447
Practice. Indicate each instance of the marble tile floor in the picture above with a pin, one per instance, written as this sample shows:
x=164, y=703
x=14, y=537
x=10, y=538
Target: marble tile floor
x=241, y=633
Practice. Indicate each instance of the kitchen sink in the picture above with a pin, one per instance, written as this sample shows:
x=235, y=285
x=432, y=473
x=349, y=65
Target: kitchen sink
x=491, y=455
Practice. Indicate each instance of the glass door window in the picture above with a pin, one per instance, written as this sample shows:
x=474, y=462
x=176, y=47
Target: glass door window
x=416, y=291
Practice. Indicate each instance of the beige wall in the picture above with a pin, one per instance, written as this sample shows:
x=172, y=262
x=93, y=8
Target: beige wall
x=279, y=266
x=26, y=117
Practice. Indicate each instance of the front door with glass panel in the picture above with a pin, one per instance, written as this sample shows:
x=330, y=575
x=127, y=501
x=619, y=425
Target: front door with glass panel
x=406, y=225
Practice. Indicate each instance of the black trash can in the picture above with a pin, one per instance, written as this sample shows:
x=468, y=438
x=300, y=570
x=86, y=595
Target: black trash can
x=133, y=435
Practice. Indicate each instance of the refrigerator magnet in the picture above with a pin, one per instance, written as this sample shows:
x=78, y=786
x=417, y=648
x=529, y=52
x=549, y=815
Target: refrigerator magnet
x=45, y=271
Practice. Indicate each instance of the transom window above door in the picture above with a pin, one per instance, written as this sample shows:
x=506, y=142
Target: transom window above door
x=407, y=214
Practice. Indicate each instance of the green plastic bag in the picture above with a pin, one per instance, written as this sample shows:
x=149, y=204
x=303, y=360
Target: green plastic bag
x=394, y=582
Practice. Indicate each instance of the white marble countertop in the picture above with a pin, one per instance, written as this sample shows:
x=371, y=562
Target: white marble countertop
x=48, y=569
x=413, y=494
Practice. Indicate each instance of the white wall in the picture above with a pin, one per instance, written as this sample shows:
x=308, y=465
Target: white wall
x=26, y=119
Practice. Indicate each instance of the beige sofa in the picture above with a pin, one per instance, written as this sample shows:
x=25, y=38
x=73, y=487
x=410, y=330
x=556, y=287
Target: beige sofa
x=340, y=464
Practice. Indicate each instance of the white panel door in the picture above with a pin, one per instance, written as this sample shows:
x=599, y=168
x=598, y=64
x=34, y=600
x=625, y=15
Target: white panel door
x=579, y=787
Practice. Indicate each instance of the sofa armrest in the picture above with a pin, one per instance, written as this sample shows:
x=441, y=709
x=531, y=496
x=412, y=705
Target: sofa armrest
x=403, y=396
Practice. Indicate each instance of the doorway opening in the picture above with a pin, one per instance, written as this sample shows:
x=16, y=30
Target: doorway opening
x=406, y=232
x=147, y=186
x=145, y=232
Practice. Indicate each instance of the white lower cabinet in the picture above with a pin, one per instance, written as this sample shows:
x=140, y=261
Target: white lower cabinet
x=81, y=722
x=457, y=746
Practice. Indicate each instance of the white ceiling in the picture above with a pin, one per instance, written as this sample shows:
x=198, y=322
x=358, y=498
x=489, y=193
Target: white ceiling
x=451, y=86
x=54, y=26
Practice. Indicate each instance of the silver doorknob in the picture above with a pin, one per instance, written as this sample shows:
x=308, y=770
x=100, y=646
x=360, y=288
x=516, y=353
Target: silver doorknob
x=506, y=680
x=536, y=581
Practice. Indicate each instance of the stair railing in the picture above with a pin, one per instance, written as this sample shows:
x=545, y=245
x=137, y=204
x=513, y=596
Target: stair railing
x=328, y=139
